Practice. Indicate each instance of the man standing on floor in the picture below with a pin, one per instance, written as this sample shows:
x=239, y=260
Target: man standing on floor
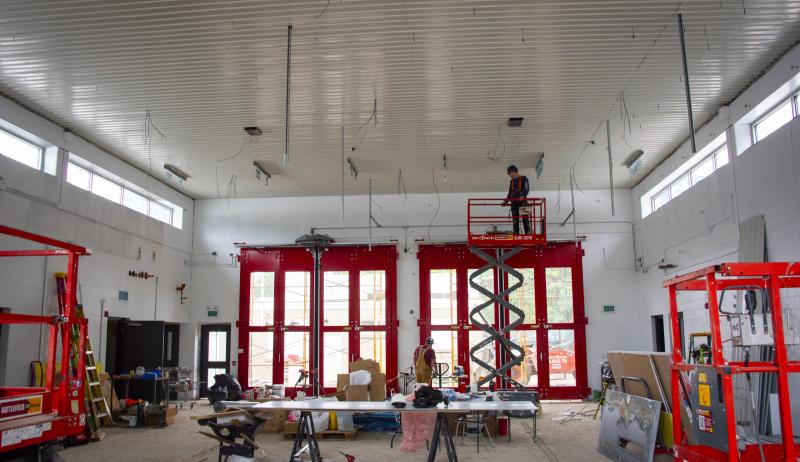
x=424, y=362
x=517, y=193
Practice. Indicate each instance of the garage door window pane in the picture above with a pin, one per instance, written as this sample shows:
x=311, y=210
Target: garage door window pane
x=561, y=347
x=485, y=354
x=295, y=355
x=445, y=344
x=336, y=298
x=475, y=298
x=443, y=296
x=373, y=346
x=523, y=297
x=261, y=353
x=262, y=299
x=336, y=353
x=372, y=298
x=559, y=294
x=526, y=373
x=297, y=297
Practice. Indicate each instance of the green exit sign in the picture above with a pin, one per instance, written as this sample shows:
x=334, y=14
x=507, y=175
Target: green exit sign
x=608, y=308
x=212, y=313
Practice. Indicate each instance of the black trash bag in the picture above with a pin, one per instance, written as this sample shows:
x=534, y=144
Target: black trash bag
x=225, y=388
x=426, y=396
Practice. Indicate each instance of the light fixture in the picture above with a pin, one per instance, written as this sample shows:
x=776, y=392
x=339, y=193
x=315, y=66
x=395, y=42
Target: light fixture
x=634, y=162
x=539, y=164
x=176, y=171
x=353, y=168
x=515, y=122
x=444, y=167
x=253, y=131
x=261, y=169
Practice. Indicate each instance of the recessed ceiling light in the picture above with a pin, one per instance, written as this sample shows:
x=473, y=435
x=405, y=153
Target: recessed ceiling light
x=253, y=131
x=515, y=121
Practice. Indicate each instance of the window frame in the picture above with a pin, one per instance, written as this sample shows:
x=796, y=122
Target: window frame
x=150, y=198
x=688, y=173
x=793, y=104
x=40, y=158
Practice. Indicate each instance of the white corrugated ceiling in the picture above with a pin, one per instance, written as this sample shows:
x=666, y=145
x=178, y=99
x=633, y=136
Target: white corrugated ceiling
x=445, y=74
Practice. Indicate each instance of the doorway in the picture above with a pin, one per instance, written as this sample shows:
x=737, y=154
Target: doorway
x=215, y=353
x=113, y=339
x=657, y=323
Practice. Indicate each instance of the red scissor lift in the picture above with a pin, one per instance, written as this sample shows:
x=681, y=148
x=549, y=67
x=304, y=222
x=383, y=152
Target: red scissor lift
x=41, y=419
x=771, y=277
x=486, y=216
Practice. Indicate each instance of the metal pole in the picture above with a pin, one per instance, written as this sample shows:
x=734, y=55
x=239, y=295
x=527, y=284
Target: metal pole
x=288, y=91
x=501, y=317
x=610, y=167
x=572, y=194
x=342, y=173
x=369, y=210
x=686, y=82
x=316, y=251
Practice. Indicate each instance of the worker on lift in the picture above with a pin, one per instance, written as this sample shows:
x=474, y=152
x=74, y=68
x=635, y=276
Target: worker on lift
x=517, y=193
x=424, y=362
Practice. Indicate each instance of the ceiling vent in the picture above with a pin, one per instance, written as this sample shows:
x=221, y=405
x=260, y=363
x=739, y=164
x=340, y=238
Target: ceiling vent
x=515, y=121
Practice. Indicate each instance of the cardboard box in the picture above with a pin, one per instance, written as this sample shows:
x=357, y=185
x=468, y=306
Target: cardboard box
x=357, y=393
x=275, y=420
x=365, y=365
x=377, y=387
x=291, y=427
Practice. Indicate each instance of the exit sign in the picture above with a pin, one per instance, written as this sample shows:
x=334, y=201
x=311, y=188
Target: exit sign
x=608, y=308
x=212, y=313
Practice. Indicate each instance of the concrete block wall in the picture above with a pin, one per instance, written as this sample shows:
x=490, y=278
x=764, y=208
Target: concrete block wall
x=120, y=239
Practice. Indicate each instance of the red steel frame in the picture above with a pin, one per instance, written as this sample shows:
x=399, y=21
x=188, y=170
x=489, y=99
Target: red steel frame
x=458, y=257
x=353, y=259
x=482, y=214
x=63, y=394
x=770, y=276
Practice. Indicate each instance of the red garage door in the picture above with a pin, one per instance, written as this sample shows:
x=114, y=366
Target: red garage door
x=358, y=313
x=553, y=333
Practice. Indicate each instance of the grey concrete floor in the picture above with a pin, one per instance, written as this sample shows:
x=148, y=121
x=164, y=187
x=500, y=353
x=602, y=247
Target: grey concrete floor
x=574, y=440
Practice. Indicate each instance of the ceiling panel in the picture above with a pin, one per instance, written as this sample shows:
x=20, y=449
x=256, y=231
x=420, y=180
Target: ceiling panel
x=443, y=75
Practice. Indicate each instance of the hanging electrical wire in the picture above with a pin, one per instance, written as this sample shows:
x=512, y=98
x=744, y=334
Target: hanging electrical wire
x=444, y=168
x=148, y=128
x=373, y=116
x=492, y=155
x=288, y=92
x=438, y=203
x=323, y=10
x=401, y=186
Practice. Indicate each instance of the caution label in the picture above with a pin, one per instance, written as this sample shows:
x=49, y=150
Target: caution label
x=18, y=435
x=704, y=395
x=704, y=422
x=20, y=406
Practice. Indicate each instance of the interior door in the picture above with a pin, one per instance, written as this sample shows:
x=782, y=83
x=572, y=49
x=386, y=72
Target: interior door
x=215, y=347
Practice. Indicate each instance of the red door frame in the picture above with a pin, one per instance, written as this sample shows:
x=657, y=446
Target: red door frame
x=458, y=257
x=353, y=259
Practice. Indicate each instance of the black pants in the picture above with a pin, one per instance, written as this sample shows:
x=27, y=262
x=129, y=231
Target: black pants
x=526, y=221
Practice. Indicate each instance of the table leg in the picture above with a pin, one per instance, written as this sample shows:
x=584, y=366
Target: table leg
x=306, y=431
x=442, y=429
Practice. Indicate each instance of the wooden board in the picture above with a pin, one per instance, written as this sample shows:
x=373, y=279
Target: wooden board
x=326, y=434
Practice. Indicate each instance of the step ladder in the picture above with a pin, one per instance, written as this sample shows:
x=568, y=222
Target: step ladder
x=98, y=411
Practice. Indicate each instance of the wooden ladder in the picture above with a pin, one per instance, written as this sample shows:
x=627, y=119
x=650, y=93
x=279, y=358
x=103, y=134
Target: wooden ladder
x=98, y=411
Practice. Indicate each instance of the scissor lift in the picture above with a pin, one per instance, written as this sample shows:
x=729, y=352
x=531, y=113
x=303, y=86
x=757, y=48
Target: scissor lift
x=36, y=421
x=490, y=236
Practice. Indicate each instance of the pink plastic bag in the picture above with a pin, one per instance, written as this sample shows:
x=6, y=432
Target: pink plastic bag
x=417, y=428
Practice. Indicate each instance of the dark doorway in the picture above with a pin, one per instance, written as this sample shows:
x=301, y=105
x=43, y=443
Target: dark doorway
x=657, y=323
x=172, y=334
x=215, y=352
x=113, y=339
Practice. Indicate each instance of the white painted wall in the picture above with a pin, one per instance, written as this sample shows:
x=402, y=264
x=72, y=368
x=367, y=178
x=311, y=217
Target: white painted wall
x=47, y=205
x=220, y=223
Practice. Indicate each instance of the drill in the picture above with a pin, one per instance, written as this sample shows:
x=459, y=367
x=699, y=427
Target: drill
x=348, y=457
